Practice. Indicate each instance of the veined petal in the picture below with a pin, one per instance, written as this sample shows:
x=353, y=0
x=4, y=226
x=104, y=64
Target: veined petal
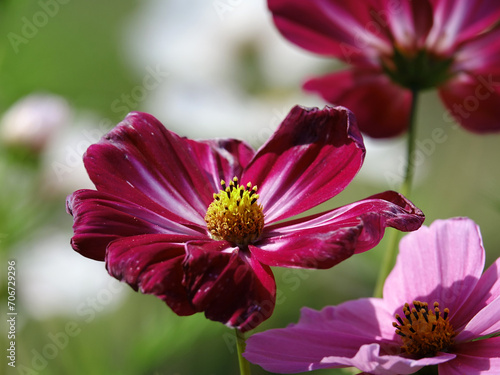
x=221, y=159
x=476, y=357
x=381, y=107
x=100, y=218
x=310, y=158
x=152, y=264
x=480, y=56
x=334, y=28
x=339, y=330
x=473, y=101
x=410, y=22
x=142, y=162
x=457, y=20
x=229, y=287
x=323, y=240
x=441, y=263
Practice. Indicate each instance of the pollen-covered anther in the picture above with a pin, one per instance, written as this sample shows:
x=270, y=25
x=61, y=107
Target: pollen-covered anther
x=424, y=332
x=234, y=215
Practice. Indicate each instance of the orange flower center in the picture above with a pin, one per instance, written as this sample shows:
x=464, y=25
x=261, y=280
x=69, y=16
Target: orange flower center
x=424, y=332
x=235, y=215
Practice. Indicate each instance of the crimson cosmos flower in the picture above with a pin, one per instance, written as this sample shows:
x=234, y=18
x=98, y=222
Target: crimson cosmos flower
x=395, y=46
x=439, y=308
x=164, y=223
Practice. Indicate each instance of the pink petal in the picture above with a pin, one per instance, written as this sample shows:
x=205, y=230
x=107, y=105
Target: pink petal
x=486, y=290
x=477, y=357
x=142, y=162
x=441, y=263
x=229, y=286
x=323, y=240
x=100, y=218
x=153, y=265
x=221, y=159
x=335, y=330
x=310, y=158
x=371, y=360
x=381, y=107
x=473, y=101
x=485, y=322
x=335, y=28
x=458, y=20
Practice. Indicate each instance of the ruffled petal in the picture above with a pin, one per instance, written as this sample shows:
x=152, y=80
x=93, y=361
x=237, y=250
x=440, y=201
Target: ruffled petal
x=342, y=29
x=381, y=107
x=477, y=357
x=142, y=162
x=473, y=101
x=310, y=158
x=221, y=159
x=335, y=330
x=441, y=263
x=230, y=287
x=152, y=264
x=323, y=240
x=100, y=218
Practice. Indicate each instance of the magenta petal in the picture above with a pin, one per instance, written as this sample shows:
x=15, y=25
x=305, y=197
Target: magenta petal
x=473, y=101
x=332, y=28
x=323, y=240
x=452, y=255
x=221, y=159
x=312, y=156
x=477, y=357
x=481, y=56
x=229, y=287
x=100, y=218
x=455, y=21
x=142, y=162
x=382, y=108
x=152, y=264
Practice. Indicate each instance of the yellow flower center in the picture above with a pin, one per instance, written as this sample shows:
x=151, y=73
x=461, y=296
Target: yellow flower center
x=424, y=332
x=235, y=215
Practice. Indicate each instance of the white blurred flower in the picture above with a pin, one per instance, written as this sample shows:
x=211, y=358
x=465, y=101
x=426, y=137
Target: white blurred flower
x=57, y=281
x=33, y=121
x=207, y=47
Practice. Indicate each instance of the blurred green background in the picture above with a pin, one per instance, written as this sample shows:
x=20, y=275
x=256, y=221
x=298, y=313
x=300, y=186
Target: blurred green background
x=222, y=70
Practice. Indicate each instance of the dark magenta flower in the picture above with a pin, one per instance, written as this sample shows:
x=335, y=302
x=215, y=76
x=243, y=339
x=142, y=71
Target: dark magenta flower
x=164, y=223
x=439, y=308
x=394, y=47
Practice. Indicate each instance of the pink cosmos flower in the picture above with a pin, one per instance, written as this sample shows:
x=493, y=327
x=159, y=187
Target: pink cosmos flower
x=394, y=47
x=199, y=223
x=436, y=306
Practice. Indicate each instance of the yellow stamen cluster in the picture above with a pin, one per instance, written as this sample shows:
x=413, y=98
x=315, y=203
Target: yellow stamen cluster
x=235, y=215
x=424, y=332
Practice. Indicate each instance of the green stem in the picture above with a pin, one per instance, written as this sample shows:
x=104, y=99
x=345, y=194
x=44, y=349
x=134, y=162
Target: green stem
x=392, y=248
x=240, y=345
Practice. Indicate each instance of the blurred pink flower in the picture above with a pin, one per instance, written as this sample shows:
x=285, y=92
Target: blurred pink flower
x=165, y=223
x=438, y=271
x=394, y=47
